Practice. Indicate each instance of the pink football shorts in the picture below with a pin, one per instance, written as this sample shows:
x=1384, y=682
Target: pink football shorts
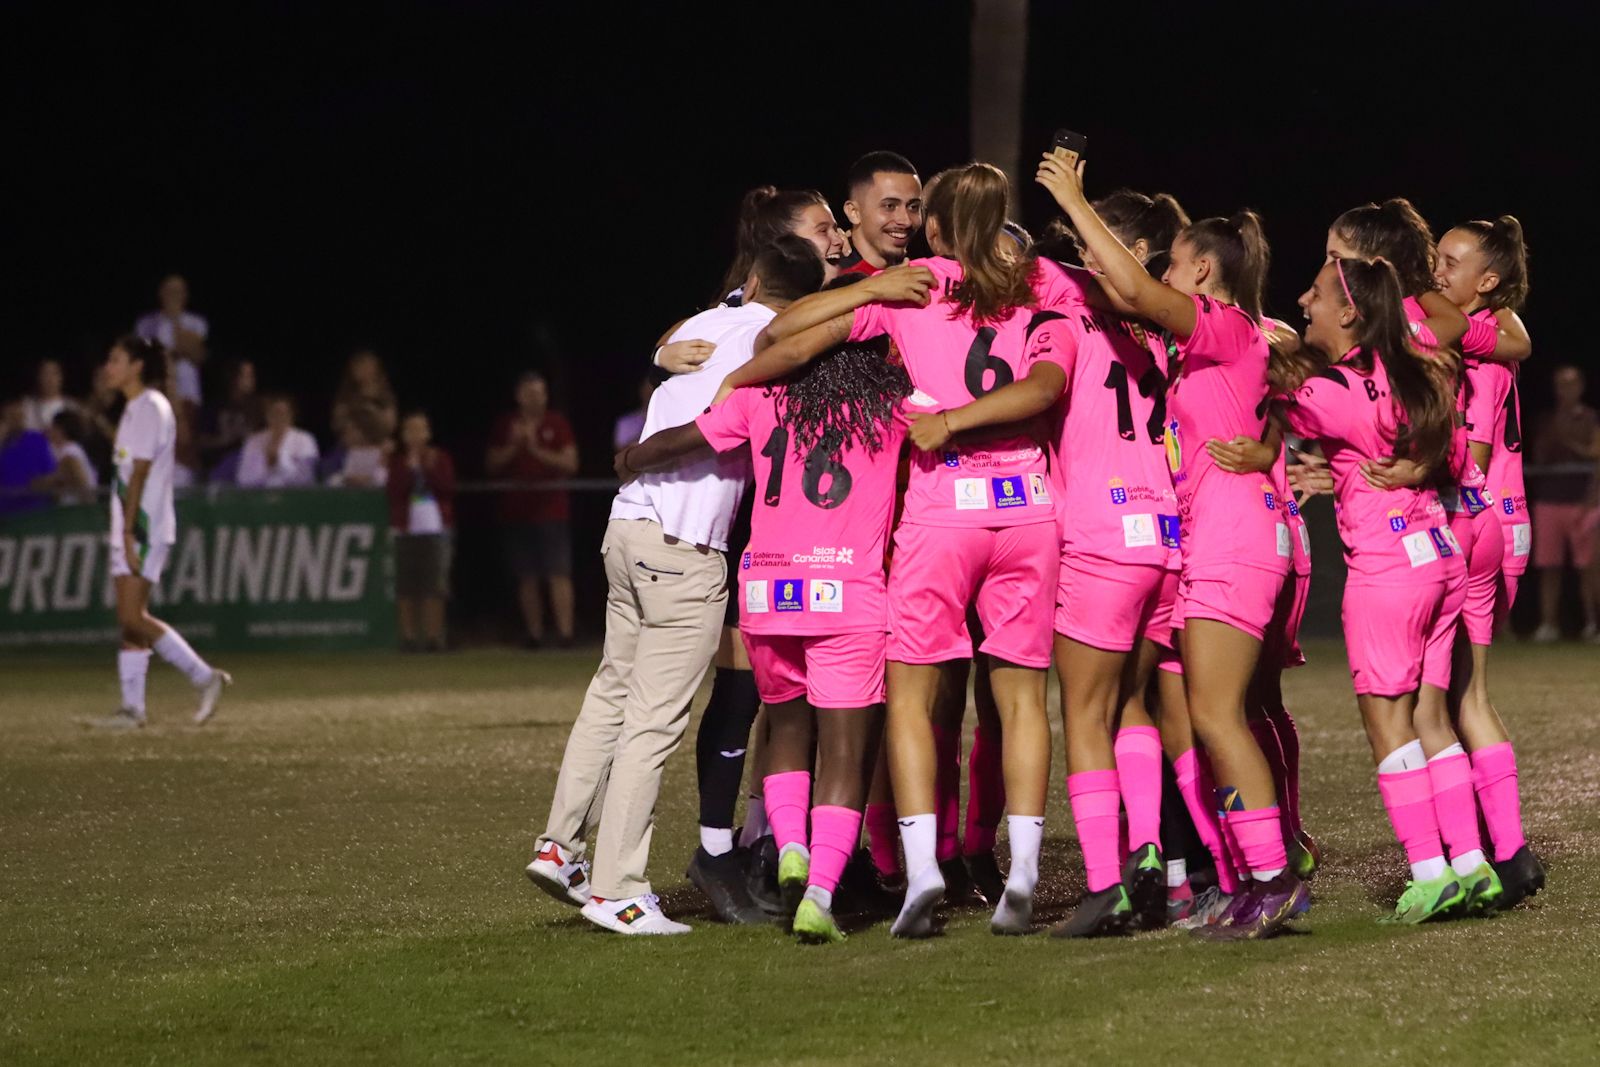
x=1391, y=633
x=1245, y=600
x=1110, y=605
x=938, y=570
x=838, y=671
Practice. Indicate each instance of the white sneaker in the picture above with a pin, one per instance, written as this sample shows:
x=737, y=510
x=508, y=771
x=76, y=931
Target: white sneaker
x=210, y=693
x=1546, y=635
x=554, y=871
x=635, y=915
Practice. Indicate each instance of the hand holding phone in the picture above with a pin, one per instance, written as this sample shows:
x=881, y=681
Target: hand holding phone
x=1069, y=147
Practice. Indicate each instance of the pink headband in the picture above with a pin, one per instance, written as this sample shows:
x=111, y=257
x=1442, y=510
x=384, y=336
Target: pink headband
x=1338, y=265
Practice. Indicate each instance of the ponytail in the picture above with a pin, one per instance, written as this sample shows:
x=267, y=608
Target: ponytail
x=1420, y=387
x=970, y=204
x=1502, y=244
x=765, y=214
x=1396, y=231
x=1238, y=246
x=1157, y=219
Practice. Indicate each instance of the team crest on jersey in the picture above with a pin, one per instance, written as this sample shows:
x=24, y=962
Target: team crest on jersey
x=1008, y=493
x=1119, y=495
x=790, y=594
x=1397, y=520
x=1269, y=496
x=826, y=594
x=1174, y=447
x=1038, y=489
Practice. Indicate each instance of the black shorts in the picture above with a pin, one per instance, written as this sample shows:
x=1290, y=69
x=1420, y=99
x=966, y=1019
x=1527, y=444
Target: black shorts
x=421, y=565
x=738, y=541
x=539, y=549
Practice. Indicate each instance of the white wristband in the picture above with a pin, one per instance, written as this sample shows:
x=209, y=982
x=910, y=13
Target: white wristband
x=656, y=359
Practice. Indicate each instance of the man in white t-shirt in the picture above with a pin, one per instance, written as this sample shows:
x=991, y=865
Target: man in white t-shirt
x=179, y=331
x=282, y=455
x=144, y=527
x=668, y=587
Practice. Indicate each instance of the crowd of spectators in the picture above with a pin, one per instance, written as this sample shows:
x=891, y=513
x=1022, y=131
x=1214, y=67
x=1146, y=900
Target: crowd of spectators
x=56, y=447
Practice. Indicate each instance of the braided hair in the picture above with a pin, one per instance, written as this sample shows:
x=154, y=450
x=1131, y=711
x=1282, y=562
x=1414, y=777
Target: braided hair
x=842, y=399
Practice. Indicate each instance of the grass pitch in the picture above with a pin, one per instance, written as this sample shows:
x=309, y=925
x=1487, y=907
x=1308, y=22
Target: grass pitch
x=331, y=872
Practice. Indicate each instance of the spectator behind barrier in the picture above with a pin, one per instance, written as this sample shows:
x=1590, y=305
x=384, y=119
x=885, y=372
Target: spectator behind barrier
x=74, y=480
x=226, y=426
x=280, y=456
x=181, y=332
x=49, y=396
x=364, y=449
x=365, y=385
x=24, y=458
x=630, y=426
x=422, y=492
x=534, y=446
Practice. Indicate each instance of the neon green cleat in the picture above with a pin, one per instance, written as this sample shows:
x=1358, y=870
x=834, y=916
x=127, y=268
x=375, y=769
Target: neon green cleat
x=1423, y=901
x=814, y=925
x=1484, y=891
x=794, y=870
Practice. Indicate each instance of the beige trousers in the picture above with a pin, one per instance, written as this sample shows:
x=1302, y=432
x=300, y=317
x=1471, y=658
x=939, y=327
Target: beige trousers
x=663, y=618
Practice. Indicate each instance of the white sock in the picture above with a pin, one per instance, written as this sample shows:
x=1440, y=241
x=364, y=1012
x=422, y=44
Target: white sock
x=1453, y=750
x=1177, y=873
x=1467, y=862
x=1266, y=876
x=794, y=846
x=176, y=651
x=1408, y=757
x=755, y=822
x=716, y=840
x=1428, y=870
x=819, y=896
x=919, y=836
x=132, y=665
x=1026, y=833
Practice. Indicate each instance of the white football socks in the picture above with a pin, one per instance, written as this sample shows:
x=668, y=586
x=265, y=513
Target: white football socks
x=176, y=651
x=716, y=840
x=132, y=666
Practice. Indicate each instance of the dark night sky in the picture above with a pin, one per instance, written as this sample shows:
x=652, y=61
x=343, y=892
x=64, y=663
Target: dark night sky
x=476, y=188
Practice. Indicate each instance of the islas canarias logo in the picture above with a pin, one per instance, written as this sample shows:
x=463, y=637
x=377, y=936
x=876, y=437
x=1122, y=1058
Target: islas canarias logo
x=1174, y=447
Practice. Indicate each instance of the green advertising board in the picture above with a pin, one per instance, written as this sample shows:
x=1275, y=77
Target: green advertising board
x=251, y=569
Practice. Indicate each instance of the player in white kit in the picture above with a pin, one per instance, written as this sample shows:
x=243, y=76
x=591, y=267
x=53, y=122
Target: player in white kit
x=143, y=529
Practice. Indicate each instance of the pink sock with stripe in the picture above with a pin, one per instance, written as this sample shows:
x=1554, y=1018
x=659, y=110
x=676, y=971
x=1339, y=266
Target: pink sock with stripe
x=1096, y=803
x=1138, y=752
x=1494, y=775
x=834, y=832
x=1200, y=799
x=788, y=796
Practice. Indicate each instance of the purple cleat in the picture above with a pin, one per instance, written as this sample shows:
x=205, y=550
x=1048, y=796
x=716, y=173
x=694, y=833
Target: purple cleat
x=1261, y=910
